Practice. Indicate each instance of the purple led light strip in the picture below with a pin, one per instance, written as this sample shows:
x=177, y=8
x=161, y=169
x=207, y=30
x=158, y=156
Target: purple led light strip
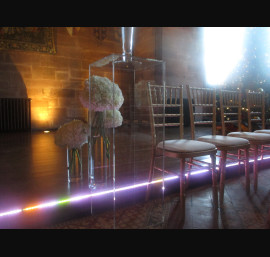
x=78, y=198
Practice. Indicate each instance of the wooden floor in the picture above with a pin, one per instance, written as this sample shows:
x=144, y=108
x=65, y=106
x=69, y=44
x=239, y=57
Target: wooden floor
x=239, y=211
x=33, y=171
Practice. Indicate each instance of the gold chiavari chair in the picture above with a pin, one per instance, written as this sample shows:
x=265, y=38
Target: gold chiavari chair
x=259, y=138
x=255, y=102
x=160, y=98
x=202, y=108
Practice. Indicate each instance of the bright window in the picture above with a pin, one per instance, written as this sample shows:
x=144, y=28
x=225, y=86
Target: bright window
x=223, y=49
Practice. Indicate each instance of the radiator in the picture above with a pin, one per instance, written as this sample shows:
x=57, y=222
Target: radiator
x=15, y=114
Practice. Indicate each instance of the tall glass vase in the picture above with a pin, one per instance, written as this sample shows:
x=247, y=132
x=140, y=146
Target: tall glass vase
x=74, y=164
x=127, y=43
x=100, y=150
x=118, y=86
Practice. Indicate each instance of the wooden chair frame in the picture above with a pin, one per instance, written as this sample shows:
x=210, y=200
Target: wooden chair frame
x=255, y=102
x=157, y=97
x=255, y=105
x=205, y=98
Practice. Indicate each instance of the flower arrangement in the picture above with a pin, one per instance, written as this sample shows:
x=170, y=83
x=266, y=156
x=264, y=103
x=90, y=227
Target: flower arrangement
x=113, y=119
x=105, y=95
x=106, y=98
x=73, y=135
x=140, y=93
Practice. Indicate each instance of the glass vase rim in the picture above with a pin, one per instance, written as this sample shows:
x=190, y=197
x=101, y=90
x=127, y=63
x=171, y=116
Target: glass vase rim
x=137, y=62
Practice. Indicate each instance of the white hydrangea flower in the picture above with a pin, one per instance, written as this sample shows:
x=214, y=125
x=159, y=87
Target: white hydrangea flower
x=113, y=119
x=141, y=93
x=102, y=97
x=73, y=134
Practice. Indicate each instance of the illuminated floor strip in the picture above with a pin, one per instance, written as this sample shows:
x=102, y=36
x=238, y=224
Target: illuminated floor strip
x=78, y=198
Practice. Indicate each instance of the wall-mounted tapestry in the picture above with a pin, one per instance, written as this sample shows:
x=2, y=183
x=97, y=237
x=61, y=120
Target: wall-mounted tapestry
x=40, y=39
x=109, y=33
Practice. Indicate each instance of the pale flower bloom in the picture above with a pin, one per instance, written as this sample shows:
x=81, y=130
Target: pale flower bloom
x=113, y=119
x=105, y=95
x=73, y=134
x=140, y=93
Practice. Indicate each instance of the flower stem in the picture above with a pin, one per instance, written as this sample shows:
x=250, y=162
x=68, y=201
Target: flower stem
x=72, y=162
x=98, y=130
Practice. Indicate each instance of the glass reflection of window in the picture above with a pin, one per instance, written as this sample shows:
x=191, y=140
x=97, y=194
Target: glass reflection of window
x=223, y=49
x=267, y=53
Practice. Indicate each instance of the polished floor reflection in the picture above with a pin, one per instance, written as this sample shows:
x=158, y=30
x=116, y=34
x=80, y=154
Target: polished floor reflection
x=239, y=211
x=33, y=171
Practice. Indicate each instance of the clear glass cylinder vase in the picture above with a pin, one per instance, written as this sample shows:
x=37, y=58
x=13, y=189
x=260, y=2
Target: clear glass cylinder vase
x=100, y=150
x=74, y=164
x=127, y=42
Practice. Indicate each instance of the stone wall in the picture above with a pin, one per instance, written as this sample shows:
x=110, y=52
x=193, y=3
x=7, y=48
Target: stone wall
x=53, y=81
x=182, y=50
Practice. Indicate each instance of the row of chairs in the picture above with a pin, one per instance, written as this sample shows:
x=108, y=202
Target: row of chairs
x=202, y=108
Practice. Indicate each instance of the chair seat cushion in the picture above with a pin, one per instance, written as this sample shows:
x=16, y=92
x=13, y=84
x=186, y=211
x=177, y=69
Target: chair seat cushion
x=251, y=136
x=185, y=146
x=267, y=131
x=224, y=141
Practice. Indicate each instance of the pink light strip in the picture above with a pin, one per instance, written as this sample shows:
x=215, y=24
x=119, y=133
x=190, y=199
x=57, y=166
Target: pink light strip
x=78, y=198
x=10, y=212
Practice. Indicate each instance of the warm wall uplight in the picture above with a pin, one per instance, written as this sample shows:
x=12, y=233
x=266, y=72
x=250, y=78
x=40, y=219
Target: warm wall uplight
x=40, y=113
x=223, y=49
x=41, y=118
x=43, y=115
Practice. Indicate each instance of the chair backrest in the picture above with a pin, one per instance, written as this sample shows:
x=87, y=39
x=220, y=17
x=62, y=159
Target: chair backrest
x=202, y=107
x=161, y=98
x=230, y=108
x=256, y=108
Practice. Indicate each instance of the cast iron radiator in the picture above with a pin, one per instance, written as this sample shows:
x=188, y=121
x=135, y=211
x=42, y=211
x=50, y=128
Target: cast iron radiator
x=15, y=114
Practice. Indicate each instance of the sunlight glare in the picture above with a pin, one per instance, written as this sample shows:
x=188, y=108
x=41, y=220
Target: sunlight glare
x=223, y=49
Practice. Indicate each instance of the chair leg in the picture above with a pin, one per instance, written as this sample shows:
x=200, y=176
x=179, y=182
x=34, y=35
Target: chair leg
x=182, y=189
x=247, y=170
x=150, y=176
x=188, y=173
x=214, y=182
x=255, y=168
x=222, y=175
x=214, y=172
x=239, y=157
